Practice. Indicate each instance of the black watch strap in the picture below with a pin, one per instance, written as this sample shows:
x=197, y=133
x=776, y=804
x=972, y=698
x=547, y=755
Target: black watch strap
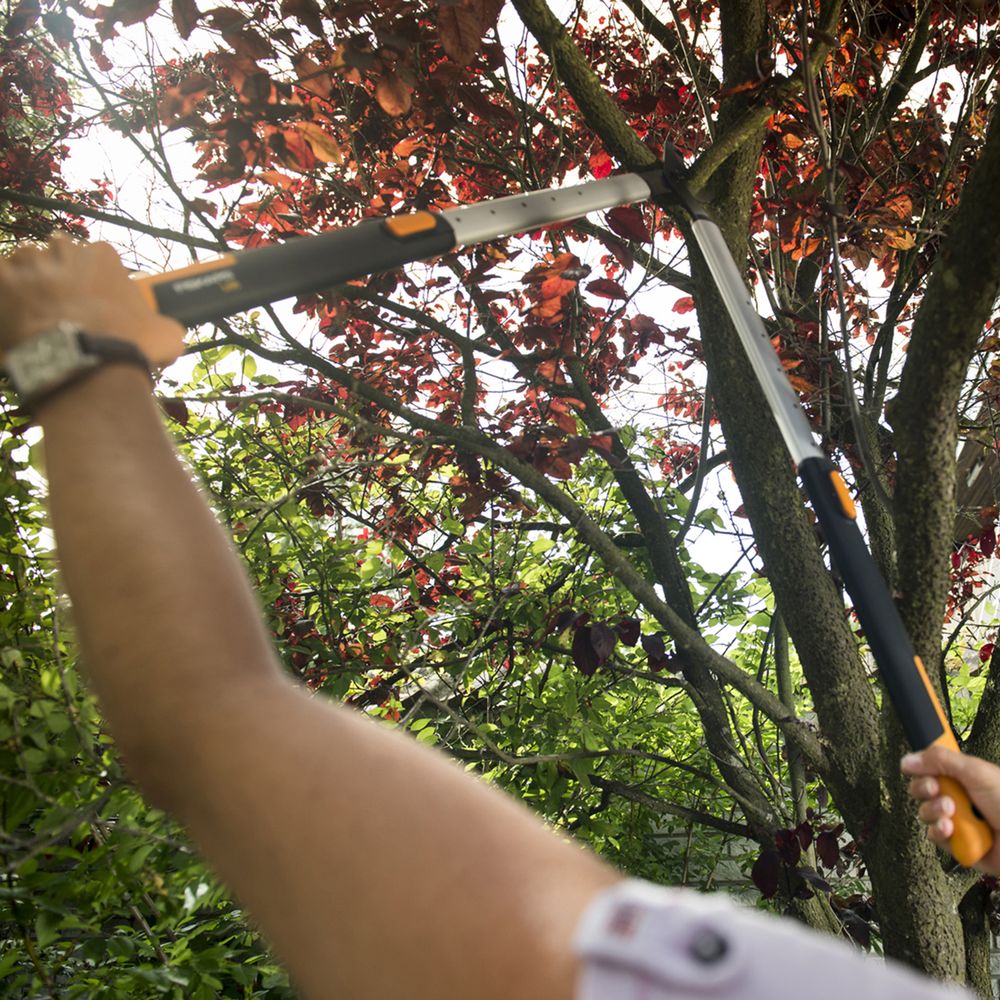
x=111, y=350
x=61, y=356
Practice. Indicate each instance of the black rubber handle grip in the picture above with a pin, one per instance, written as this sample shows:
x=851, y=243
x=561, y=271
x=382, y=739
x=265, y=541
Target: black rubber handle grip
x=905, y=678
x=233, y=282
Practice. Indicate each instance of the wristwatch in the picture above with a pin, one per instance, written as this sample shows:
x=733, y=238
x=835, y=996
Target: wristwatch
x=62, y=355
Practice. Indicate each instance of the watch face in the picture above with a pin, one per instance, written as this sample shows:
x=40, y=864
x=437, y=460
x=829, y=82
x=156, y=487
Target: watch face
x=47, y=360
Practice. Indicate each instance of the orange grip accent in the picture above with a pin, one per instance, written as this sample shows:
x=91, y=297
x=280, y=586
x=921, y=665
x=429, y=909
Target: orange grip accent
x=932, y=694
x=402, y=226
x=844, y=495
x=146, y=287
x=973, y=838
x=148, y=282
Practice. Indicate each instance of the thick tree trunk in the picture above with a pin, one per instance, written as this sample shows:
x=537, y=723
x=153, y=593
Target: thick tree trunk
x=972, y=911
x=916, y=899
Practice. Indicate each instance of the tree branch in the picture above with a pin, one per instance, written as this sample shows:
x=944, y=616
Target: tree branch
x=74, y=208
x=689, y=641
x=960, y=296
x=670, y=808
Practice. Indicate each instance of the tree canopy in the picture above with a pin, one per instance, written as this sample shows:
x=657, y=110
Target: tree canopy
x=526, y=500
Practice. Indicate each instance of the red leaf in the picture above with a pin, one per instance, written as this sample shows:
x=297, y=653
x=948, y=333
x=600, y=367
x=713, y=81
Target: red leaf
x=619, y=250
x=22, y=17
x=656, y=653
x=565, y=262
x=324, y=146
x=186, y=16
x=176, y=409
x=987, y=542
x=133, y=11
x=827, y=848
x=684, y=305
x=556, y=467
x=802, y=385
x=804, y=832
x=312, y=76
x=765, y=872
x=857, y=927
x=986, y=652
x=59, y=25
x=583, y=652
x=461, y=32
x=488, y=12
x=555, y=287
x=226, y=19
x=628, y=222
x=628, y=631
x=603, y=639
x=248, y=43
x=607, y=289
x=564, y=619
x=601, y=165
x=900, y=205
x=103, y=63
x=788, y=846
x=307, y=12
x=393, y=95
x=602, y=442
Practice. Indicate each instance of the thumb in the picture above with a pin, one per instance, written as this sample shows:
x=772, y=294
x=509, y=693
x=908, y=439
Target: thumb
x=971, y=772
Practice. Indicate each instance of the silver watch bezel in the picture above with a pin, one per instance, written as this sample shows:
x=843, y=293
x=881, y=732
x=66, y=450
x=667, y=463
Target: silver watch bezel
x=48, y=360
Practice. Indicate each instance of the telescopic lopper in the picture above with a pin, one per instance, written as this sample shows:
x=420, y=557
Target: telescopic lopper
x=233, y=282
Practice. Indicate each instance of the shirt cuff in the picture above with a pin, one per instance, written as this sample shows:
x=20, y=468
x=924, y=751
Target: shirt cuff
x=638, y=941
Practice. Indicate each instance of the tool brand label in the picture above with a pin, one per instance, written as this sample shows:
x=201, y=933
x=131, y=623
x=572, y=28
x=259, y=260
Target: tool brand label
x=209, y=280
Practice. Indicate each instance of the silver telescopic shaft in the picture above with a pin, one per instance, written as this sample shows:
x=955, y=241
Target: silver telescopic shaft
x=784, y=403
x=520, y=213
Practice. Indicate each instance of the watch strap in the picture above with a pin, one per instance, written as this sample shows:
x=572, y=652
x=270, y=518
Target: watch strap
x=80, y=354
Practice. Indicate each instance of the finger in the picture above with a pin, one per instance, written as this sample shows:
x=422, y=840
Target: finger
x=924, y=788
x=935, y=810
x=105, y=257
x=940, y=833
x=59, y=245
x=940, y=761
x=23, y=256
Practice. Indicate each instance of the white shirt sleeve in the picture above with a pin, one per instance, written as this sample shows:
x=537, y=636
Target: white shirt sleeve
x=639, y=941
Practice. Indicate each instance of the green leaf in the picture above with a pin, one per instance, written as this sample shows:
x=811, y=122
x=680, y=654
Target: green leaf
x=47, y=928
x=10, y=659
x=8, y=962
x=36, y=457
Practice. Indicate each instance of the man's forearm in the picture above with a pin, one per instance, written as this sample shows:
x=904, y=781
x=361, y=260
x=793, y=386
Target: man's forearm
x=363, y=856
x=289, y=796
x=167, y=622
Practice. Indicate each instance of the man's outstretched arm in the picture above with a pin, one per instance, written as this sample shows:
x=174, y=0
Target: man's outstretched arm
x=374, y=866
